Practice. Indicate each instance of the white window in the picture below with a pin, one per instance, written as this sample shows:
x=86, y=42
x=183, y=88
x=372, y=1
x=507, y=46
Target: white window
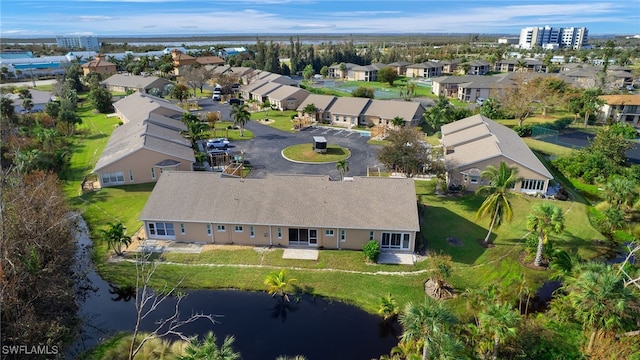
x=328, y=232
x=182, y=231
x=153, y=173
x=112, y=178
x=343, y=235
x=395, y=240
x=531, y=184
x=161, y=230
x=221, y=228
x=279, y=233
x=131, y=175
x=252, y=232
x=238, y=228
x=371, y=235
x=208, y=229
x=474, y=179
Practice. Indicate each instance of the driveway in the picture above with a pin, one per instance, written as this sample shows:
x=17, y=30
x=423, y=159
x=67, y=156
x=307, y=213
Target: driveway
x=264, y=150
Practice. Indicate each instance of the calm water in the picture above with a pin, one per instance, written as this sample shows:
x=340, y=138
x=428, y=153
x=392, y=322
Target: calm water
x=264, y=327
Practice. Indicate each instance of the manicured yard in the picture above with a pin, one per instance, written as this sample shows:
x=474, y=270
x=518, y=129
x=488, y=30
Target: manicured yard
x=305, y=152
x=233, y=134
x=278, y=119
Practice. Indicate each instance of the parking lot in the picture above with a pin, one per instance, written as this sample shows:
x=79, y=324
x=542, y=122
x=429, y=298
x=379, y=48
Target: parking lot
x=264, y=150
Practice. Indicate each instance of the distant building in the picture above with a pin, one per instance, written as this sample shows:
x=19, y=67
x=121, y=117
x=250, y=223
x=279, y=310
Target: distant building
x=554, y=37
x=508, y=40
x=78, y=42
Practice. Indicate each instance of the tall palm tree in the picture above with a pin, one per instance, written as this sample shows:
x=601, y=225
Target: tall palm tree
x=208, y=349
x=27, y=104
x=277, y=284
x=196, y=130
x=521, y=66
x=427, y=322
x=497, y=204
x=342, y=166
x=115, y=235
x=599, y=299
x=241, y=116
x=499, y=321
x=544, y=219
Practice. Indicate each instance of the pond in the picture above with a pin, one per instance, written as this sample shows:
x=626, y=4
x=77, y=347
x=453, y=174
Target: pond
x=264, y=327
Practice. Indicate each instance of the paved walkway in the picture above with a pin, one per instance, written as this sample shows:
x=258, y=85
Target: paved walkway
x=300, y=254
x=396, y=258
x=158, y=246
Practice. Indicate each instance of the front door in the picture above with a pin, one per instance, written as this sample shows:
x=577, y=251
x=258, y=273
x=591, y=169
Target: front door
x=303, y=237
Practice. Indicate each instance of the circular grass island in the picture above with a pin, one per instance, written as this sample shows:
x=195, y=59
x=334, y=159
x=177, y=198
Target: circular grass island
x=305, y=153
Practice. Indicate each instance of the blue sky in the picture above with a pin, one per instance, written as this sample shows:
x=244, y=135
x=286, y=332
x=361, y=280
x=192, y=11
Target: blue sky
x=21, y=18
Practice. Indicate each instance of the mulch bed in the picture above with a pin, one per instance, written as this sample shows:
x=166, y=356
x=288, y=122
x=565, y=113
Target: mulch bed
x=529, y=264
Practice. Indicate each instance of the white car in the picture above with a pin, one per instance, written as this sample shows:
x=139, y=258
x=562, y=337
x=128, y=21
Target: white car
x=217, y=143
x=216, y=97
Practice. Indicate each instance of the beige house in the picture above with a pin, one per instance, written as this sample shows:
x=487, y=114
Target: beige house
x=382, y=112
x=365, y=73
x=400, y=67
x=146, y=84
x=473, y=143
x=146, y=145
x=623, y=108
x=322, y=103
x=424, y=70
x=261, y=93
x=99, y=65
x=348, y=111
x=336, y=73
x=271, y=212
x=287, y=97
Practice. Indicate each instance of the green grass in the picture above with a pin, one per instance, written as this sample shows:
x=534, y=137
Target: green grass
x=378, y=142
x=281, y=119
x=546, y=148
x=222, y=130
x=305, y=152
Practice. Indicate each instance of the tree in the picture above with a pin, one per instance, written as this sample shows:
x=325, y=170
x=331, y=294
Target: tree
x=343, y=70
x=388, y=307
x=266, y=106
x=195, y=77
x=521, y=65
x=100, y=98
x=600, y=300
x=52, y=108
x=491, y=108
x=497, y=204
x=544, y=219
x=308, y=72
x=620, y=192
x=196, y=129
x=499, y=321
x=387, y=74
x=241, y=115
x=208, y=349
x=520, y=99
x=406, y=151
x=427, y=322
x=277, y=284
x=364, y=92
x=70, y=118
x=311, y=110
x=180, y=92
x=397, y=121
x=324, y=71
x=586, y=104
x=27, y=104
x=6, y=108
x=408, y=91
x=342, y=166
x=115, y=235
x=552, y=92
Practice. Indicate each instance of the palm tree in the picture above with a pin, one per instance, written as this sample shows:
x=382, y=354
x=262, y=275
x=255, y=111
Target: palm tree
x=115, y=236
x=208, y=349
x=342, y=166
x=497, y=202
x=277, y=284
x=544, y=219
x=599, y=299
x=27, y=104
x=427, y=322
x=388, y=307
x=397, y=121
x=311, y=109
x=499, y=321
x=196, y=130
x=521, y=66
x=241, y=116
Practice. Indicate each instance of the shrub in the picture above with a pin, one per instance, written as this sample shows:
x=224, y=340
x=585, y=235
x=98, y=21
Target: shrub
x=625, y=130
x=524, y=130
x=371, y=250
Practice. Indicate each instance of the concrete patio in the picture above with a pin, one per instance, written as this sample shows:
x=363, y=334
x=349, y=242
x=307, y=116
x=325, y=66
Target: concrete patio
x=300, y=254
x=396, y=258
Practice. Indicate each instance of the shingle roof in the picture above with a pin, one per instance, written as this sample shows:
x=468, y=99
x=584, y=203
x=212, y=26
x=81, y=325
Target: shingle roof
x=209, y=60
x=37, y=97
x=138, y=106
x=389, y=109
x=425, y=65
x=285, y=91
x=135, y=81
x=626, y=99
x=364, y=203
x=478, y=138
x=352, y=106
x=400, y=63
x=322, y=102
x=267, y=88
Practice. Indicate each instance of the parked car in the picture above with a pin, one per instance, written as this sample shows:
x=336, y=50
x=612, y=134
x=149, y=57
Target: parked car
x=217, y=143
x=216, y=97
x=480, y=101
x=236, y=101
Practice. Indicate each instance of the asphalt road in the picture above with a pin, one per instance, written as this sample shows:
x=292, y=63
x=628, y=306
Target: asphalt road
x=264, y=150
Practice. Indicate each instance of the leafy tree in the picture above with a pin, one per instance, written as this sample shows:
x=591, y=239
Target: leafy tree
x=277, y=284
x=52, y=108
x=100, y=98
x=544, y=219
x=115, y=235
x=27, y=104
x=427, y=322
x=443, y=113
x=491, y=108
x=308, y=72
x=499, y=321
x=406, y=150
x=586, y=104
x=520, y=99
x=371, y=250
x=552, y=92
x=70, y=118
x=620, y=192
x=266, y=106
x=180, y=92
x=342, y=166
x=311, y=109
x=364, y=92
x=208, y=349
x=6, y=108
x=388, y=74
x=241, y=116
x=195, y=77
x=324, y=71
x=497, y=204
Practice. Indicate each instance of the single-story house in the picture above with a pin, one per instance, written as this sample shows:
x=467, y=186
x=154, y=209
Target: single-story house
x=39, y=99
x=271, y=212
x=261, y=94
x=448, y=85
x=623, y=108
x=146, y=145
x=348, y=111
x=322, y=103
x=382, y=112
x=287, y=97
x=277, y=78
x=146, y=84
x=99, y=65
x=246, y=91
x=473, y=143
x=424, y=70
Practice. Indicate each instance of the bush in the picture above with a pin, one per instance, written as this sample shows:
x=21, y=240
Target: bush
x=625, y=130
x=524, y=130
x=371, y=250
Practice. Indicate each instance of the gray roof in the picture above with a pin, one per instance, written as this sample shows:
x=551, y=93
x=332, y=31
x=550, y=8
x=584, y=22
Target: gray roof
x=285, y=92
x=425, y=65
x=135, y=81
x=477, y=138
x=347, y=65
x=138, y=106
x=38, y=97
x=389, y=109
x=364, y=203
x=251, y=87
x=322, y=102
x=399, y=63
x=352, y=106
x=479, y=62
x=266, y=89
x=372, y=67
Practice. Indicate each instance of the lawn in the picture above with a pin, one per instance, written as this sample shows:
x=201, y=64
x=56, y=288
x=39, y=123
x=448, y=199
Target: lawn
x=305, y=152
x=223, y=130
x=280, y=120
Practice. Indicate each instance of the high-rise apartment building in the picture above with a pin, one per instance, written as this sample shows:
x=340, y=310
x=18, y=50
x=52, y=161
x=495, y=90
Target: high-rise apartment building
x=553, y=37
x=78, y=42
